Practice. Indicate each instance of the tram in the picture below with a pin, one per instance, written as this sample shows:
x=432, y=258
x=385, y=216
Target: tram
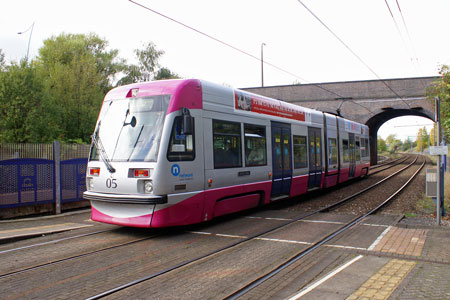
x=178, y=152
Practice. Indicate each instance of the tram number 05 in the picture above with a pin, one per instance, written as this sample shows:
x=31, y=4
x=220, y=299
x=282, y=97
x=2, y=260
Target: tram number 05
x=111, y=183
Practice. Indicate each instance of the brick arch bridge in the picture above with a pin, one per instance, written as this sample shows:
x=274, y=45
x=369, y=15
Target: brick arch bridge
x=370, y=102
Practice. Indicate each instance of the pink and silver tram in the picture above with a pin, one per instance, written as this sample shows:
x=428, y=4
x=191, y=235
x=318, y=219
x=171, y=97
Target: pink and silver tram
x=179, y=152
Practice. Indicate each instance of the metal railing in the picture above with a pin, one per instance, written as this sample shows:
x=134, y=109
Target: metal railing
x=35, y=174
x=44, y=151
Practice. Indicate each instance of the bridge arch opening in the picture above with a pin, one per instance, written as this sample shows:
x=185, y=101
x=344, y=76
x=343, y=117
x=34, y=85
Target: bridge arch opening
x=376, y=121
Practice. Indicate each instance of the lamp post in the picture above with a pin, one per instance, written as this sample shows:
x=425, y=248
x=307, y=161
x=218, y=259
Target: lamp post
x=438, y=163
x=262, y=65
x=29, y=39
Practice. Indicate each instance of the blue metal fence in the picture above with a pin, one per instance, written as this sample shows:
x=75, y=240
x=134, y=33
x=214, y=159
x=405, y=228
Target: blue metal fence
x=73, y=179
x=27, y=181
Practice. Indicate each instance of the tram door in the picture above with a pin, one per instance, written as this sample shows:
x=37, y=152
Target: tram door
x=281, y=159
x=352, y=154
x=315, y=158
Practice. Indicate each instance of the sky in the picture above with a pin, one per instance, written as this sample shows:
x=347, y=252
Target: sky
x=295, y=41
x=405, y=127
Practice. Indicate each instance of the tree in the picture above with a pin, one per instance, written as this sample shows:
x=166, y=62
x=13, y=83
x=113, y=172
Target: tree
x=433, y=134
x=393, y=143
x=381, y=145
x=148, y=67
x=407, y=145
x=132, y=74
x=390, y=139
x=423, y=139
x=21, y=104
x=59, y=94
x=77, y=72
x=441, y=89
x=165, y=73
x=396, y=146
x=148, y=60
x=2, y=60
x=419, y=146
x=62, y=49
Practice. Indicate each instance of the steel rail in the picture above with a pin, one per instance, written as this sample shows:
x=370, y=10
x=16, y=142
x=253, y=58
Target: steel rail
x=346, y=199
x=198, y=258
x=75, y=257
x=389, y=162
x=392, y=164
x=324, y=240
x=55, y=241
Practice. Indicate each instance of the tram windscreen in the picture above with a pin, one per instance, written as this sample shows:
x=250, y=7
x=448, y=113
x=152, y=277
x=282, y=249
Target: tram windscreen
x=130, y=129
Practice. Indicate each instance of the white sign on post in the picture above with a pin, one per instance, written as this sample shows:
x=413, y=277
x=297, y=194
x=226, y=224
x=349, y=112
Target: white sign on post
x=430, y=182
x=439, y=150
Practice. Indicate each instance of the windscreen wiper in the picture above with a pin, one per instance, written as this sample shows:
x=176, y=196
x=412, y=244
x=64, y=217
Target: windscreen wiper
x=98, y=143
x=135, y=144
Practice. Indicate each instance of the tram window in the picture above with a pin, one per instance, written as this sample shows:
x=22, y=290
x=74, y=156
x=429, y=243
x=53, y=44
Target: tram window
x=300, y=152
x=346, y=154
x=367, y=148
x=181, y=146
x=227, y=144
x=255, y=145
x=358, y=149
x=364, y=147
x=318, y=151
x=332, y=151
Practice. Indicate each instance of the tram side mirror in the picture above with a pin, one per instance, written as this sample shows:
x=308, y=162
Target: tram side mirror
x=188, y=122
x=132, y=122
x=188, y=125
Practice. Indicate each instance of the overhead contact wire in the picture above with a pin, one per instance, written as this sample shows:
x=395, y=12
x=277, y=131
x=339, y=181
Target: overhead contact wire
x=231, y=46
x=409, y=38
x=401, y=36
x=351, y=51
x=396, y=25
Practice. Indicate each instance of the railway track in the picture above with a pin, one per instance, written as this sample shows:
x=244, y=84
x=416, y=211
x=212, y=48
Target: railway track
x=80, y=259
x=53, y=241
x=298, y=256
x=388, y=162
x=255, y=283
x=53, y=262
x=380, y=168
x=387, y=166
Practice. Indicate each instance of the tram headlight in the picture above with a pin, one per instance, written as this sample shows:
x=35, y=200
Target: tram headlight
x=90, y=183
x=148, y=186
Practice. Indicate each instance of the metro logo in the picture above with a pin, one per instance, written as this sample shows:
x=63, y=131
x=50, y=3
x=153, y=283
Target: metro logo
x=175, y=170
